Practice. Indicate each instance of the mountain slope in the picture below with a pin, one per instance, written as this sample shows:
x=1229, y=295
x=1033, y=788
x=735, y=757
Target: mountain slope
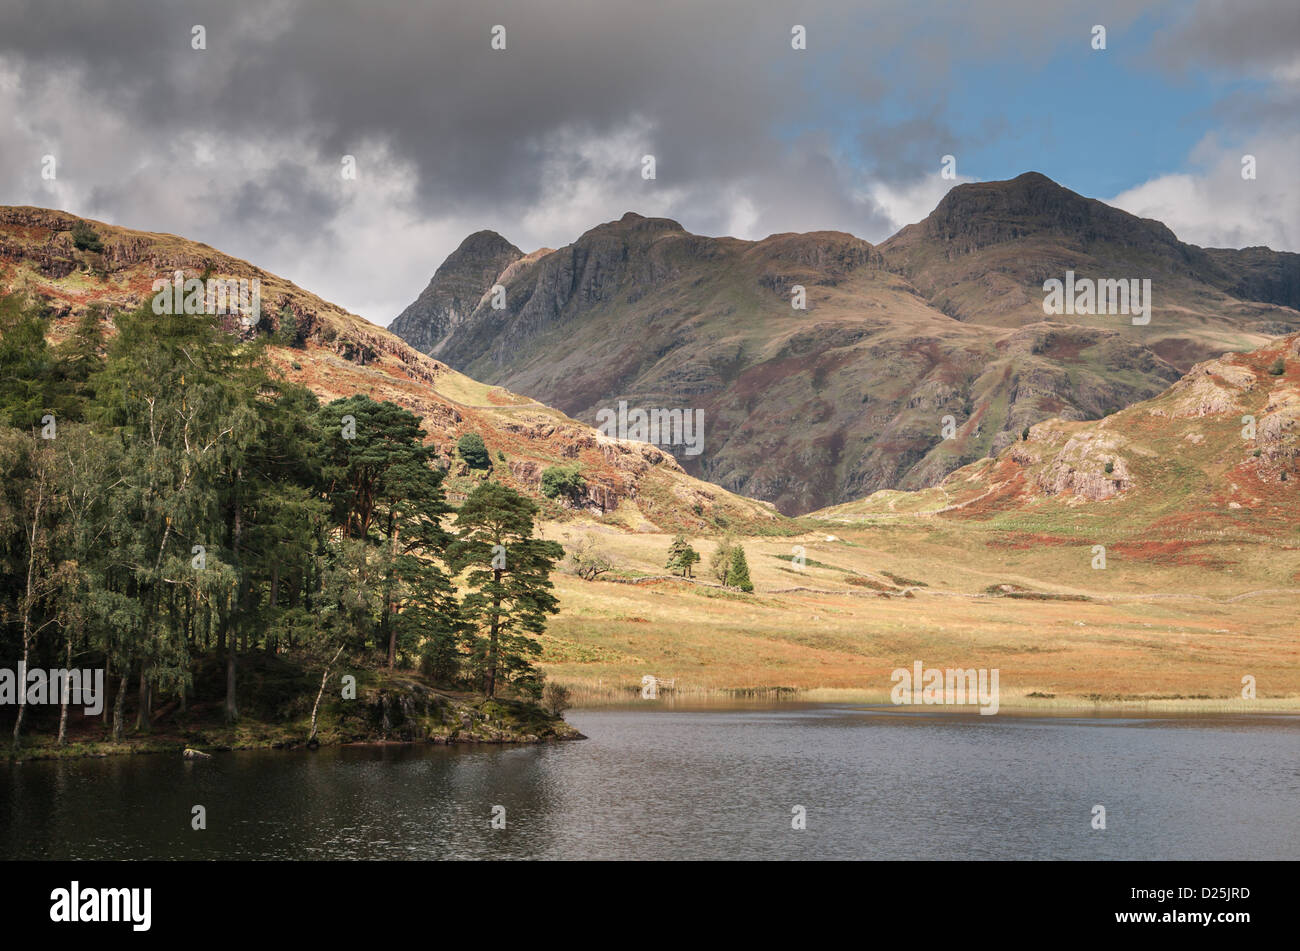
x=338, y=354
x=1217, y=454
x=810, y=407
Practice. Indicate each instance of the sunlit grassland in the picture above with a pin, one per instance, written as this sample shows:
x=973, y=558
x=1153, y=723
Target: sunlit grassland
x=1156, y=634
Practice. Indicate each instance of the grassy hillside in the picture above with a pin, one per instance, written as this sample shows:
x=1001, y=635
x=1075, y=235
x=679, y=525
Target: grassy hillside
x=997, y=567
x=337, y=354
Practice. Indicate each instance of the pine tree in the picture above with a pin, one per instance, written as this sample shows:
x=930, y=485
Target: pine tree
x=508, y=577
x=681, y=556
x=738, y=574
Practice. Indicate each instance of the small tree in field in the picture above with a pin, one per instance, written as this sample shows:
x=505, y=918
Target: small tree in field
x=720, y=561
x=738, y=575
x=85, y=238
x=566, y=481
x=586, y=560
x=681, y=556
x=286, y=333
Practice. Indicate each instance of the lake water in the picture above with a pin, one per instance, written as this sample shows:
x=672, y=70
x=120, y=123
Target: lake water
x=664, y=784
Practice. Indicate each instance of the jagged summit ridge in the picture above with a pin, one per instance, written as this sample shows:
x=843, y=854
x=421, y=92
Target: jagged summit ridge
x=455, y=290
x=826, y=366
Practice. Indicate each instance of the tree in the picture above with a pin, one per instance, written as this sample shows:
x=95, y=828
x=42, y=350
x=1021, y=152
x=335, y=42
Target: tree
x=507, y=573
x=422, y=614
x=86, y=464
x=564, y=481
x=85, y=238
x=33, y=375
x=180, y=395
x=36, y=470
x=386, y=492
x=586, y=560
x=738, y=574
x=681, y=556
x=720, y=562
x=556, y=698
x=286, y=331
x=474, y=451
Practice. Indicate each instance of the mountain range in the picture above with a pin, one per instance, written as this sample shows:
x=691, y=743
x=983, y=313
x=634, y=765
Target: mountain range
x=907, y=360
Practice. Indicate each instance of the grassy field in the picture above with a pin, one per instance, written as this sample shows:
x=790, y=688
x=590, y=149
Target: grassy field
x=1155, y=631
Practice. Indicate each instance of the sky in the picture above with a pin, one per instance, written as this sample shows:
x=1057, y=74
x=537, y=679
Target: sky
x=241, y=144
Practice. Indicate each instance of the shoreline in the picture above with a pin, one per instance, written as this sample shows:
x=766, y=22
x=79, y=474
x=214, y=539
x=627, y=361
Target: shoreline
x=148, y=746
x=864, y=701
x=591, y=698
x=1065, y=712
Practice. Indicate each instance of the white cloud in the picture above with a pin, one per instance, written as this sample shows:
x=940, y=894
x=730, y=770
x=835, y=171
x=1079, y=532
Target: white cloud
x=590, y=177
x=1213, y=206
x=910, y=203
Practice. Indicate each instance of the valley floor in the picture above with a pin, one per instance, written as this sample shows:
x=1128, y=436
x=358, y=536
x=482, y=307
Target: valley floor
x=1158, y=630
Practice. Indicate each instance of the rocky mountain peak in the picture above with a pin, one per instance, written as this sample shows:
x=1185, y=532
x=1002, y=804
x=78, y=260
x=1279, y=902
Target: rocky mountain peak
x=455, y=290
x=979, y=214
x=632, y=226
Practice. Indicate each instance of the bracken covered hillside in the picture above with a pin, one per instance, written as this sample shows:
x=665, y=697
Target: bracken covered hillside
x=1217, y=455
x=337, y=354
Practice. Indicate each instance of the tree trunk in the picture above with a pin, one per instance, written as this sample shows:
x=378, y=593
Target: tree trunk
x=119, y=706
x=320, y=693
x=490, y=687
x=388, y=597
x=22, y=687
x=142, y=714
x=29, y=599
x=232, y=711
x=63, y=701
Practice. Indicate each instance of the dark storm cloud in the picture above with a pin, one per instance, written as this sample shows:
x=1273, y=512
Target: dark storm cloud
x=1245, y=37
x=718, y=80
x=239, y=145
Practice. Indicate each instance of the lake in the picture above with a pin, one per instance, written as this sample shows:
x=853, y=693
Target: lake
x=709, y=784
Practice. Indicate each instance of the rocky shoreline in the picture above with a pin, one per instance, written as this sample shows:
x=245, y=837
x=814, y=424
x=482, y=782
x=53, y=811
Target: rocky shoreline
x=396, y=711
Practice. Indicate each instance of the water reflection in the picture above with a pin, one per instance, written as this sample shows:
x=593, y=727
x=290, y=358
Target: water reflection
x=690, y=783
